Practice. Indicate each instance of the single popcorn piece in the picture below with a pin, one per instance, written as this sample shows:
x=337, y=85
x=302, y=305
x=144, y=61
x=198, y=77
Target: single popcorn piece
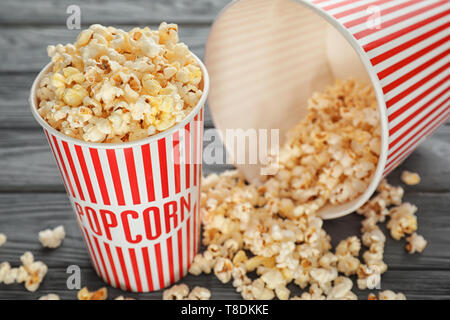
x=410, y=178
x=35, y=272
x=350, y=246
x=5, y=269
x=11, y=276
x=177, y=292
x=346, y=253
x=257, y=291
x=115, y=86
x=50, y=296
x=203, y=263
x=387, y=295
x=199, y=293
x=273, y=279
x=342, y=290
x=415, y=243
x=402, y=220
x=282, y=292
x=52, y=238
x=240, y=278
x=347, y=264
x=222, y=269
x=85, y=294
x=123, y=298
x=314, y=293
x=3, y=239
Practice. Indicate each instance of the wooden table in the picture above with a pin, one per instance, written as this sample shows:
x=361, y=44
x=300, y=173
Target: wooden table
x=32, y=196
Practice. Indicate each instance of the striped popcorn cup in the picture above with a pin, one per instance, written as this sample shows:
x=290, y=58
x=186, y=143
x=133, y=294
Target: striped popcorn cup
x=137, y=203
x=273, y=54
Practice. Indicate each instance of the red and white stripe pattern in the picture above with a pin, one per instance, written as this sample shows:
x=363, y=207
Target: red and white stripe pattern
x=137, y=207
x=409, y=52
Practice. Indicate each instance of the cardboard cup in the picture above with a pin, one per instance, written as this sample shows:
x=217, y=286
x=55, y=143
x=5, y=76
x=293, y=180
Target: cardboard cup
x=267, y=57
x=137, y=203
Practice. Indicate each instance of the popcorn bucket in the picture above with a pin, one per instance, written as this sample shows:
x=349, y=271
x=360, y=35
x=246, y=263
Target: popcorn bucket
x=137, y=203
x=267, y=57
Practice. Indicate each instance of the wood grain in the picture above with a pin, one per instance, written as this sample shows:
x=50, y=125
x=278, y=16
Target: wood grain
x=45, y=12
x=27, y=214
x=415, y=284
x=24, y=49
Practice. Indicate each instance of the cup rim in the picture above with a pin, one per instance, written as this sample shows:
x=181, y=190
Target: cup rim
x=100, y=145
x=382, y=158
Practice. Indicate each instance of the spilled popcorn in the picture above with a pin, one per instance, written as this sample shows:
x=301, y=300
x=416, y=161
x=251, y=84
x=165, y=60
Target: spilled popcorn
x=115, y=86
x=387, y=295
x=274, y=230
x=52, y=238
x=181, y=292
x=410, y=178
x=415, y=243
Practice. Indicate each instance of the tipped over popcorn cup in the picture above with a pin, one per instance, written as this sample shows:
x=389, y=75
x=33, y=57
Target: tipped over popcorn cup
x=134, y=186
x=266, y=58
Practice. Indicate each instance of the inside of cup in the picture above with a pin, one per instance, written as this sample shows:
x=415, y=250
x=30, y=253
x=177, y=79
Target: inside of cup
x=265, y=59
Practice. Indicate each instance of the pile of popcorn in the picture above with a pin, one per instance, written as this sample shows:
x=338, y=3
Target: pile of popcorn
x=115, y=86
x=244, y=233
x=274, y=229
x=331, y=155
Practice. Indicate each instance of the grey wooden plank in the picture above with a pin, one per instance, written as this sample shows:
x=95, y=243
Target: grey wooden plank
x=26, y=163
x=416, y=285
x=24, y=49
x=23, y=215
x=15, y=110
x=433, y=223
x=55, y=282
x=431, y=160
x=110, y=11
x=425, y=276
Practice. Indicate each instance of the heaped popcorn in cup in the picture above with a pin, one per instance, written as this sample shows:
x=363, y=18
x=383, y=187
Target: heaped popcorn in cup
x=115, y=86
